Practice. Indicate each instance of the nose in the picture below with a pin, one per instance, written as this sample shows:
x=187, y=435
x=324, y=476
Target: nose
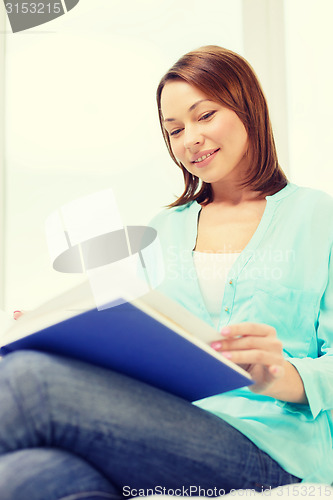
x=192, y=138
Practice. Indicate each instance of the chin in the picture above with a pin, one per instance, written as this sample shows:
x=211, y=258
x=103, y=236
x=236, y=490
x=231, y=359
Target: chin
x=211, y=179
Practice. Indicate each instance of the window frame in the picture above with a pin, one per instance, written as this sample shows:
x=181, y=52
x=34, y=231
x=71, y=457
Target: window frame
x=264, y=41
x=3, y=34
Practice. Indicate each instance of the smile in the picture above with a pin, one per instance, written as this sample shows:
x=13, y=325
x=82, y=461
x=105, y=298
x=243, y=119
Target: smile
x=202, y=158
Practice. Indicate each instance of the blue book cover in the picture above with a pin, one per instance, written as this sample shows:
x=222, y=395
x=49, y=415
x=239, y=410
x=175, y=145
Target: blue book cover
x=137, y=339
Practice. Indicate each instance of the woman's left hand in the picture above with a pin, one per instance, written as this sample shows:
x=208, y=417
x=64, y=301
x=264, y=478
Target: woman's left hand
x=17, y=314
x=254, y=347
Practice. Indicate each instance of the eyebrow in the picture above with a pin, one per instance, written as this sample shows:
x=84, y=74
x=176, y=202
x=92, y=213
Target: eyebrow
x=191, y=108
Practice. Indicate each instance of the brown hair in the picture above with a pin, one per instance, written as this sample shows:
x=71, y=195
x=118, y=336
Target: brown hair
x=228, y=78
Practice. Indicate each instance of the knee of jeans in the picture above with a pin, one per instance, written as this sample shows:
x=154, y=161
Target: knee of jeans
x=20, y=364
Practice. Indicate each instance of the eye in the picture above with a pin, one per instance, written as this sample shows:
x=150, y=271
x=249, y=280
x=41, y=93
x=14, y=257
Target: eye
x=175, y=132
x=207, y=115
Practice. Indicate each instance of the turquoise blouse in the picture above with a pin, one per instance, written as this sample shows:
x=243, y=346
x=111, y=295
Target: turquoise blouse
x=284, y=278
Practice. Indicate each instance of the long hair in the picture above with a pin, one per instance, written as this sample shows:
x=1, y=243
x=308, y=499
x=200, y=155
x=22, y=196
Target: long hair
x=227, y=78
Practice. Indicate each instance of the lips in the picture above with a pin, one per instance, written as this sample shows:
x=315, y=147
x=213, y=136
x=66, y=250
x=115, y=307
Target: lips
x=199, y=157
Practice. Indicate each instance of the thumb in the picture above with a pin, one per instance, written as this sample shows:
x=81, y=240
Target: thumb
x=17, y=314
x=276, y=371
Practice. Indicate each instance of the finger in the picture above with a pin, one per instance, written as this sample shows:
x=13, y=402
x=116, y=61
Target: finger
x=254, y=356
x=276, y=371
x=17, y=314
x=248, y=342
x=243, y=329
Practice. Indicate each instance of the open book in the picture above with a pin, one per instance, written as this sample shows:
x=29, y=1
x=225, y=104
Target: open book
x=151, y=338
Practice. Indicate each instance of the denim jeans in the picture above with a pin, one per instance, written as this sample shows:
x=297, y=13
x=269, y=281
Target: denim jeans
x=70, y=430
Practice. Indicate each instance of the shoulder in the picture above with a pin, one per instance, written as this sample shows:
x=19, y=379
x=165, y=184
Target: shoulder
x=313, y=195
x=311, y=200
x=311, y=207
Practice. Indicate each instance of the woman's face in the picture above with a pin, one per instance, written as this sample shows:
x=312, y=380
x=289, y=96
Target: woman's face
x=206, y=137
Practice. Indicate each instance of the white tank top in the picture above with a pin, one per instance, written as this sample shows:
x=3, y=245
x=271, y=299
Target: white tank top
x=212, y=270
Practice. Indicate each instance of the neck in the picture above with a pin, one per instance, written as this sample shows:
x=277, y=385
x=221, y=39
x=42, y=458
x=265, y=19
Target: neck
x=231, y=194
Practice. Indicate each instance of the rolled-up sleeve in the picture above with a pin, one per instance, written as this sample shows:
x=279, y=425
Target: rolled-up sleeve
x=317, y=374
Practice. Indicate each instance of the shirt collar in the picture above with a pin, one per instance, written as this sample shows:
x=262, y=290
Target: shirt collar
x=279, y=195
x=283, y=193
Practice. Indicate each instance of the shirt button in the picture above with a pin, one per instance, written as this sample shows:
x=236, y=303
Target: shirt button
x=226, y=309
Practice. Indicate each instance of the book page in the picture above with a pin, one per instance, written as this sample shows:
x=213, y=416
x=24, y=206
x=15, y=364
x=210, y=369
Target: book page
x=70, y=303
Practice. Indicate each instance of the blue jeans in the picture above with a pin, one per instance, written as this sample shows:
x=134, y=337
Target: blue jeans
x=69, y=430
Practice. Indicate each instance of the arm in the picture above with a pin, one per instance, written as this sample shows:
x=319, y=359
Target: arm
x=256, y=348
x=295, y=380
x=317, y=373
x=289, y=387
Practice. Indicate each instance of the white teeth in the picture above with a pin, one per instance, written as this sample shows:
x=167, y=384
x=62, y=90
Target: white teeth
x=202, y=158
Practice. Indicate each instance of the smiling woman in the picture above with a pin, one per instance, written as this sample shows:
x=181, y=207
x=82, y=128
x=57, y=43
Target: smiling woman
x=229, y=93
x=236, y=208
x=249, y=253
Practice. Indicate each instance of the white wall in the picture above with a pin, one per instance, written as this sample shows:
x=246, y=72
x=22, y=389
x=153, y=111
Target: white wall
x=309, y=42
x=81, y=115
